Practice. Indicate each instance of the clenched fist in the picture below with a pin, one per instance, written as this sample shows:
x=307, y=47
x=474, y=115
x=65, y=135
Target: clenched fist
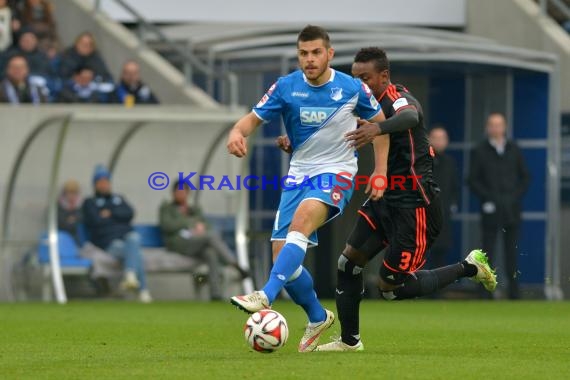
x=237, y=144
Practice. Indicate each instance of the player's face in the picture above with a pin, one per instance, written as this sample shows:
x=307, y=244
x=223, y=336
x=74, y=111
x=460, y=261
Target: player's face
x=366, y=72
x=314, y=58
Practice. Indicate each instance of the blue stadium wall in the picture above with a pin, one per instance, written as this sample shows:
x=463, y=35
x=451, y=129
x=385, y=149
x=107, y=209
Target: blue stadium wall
x=529, y=124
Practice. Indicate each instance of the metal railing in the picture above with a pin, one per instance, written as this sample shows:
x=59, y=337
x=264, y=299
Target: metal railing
x=191, y=62
x=560, y=6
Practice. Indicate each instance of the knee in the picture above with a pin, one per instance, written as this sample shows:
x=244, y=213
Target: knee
x=385, y=286
x=133, y=237
x=116, y=245
x=355, y=256
x=308, y=217
x=213, y=235
x=214, y=239
x=346, y=266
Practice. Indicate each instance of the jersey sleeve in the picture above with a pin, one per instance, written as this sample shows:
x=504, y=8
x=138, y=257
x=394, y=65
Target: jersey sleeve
x=403, y=102
x=395, y=101
x=270, y=105
x=367, y=106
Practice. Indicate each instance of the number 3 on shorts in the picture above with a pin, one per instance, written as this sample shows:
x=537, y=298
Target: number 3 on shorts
x=405, y=261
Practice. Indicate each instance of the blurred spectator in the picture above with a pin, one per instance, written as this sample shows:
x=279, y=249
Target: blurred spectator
x=445, y=175
x=107, y=217
x=84, y=53
x=38, y=61
x=83, y=89
x=69, y=219
x=499, y=177
x=184, y=231
x=6, y=25
x=69, y=210
x=131, y=90
x=37, y=15
x=17, y=87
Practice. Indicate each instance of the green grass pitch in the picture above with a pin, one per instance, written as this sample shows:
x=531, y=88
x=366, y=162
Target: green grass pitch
x=403, y=340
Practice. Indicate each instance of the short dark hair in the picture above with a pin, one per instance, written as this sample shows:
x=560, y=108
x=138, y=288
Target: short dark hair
x=177, y=184
x=375, y=54
x=81, y=68
x=313, y=32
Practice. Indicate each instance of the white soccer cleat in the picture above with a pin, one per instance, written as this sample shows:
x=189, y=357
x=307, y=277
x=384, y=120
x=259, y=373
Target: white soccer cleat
x=252, y=303
x=338, y=345
x=144, y=296
x=310, y=339
x=485, y=275
x=130, y=282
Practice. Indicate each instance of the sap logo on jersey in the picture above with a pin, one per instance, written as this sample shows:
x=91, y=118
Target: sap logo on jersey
x=314, y=116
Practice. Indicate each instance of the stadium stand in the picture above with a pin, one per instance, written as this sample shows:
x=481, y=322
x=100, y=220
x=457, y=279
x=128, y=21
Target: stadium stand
x=559, y=10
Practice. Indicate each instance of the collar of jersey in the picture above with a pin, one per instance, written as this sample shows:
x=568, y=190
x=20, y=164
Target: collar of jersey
x=321, y=85
x=384, y=92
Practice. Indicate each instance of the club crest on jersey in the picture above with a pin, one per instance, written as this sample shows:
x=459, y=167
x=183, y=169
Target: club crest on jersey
x=336, y=94
x=336, y=195
x=315, y=116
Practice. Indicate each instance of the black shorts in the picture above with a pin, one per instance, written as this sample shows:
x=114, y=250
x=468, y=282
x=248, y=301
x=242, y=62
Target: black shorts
x=407, y=232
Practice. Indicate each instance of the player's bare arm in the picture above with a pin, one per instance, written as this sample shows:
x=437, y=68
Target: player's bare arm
x=405, y=119
x=237, y=139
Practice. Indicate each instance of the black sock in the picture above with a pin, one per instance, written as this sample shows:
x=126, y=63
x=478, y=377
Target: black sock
x=470, y=269
x=348, y=296
x=425, y=282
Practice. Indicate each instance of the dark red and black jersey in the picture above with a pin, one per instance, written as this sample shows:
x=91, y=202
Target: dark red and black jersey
x=410, y=159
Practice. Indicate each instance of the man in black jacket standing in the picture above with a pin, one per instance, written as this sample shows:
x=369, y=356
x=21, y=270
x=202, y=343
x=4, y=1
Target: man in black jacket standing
x=108, y=217
x=447, y=178
x=499, y=177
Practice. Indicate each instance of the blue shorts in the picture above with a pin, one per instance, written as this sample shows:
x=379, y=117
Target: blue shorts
x=325, y=187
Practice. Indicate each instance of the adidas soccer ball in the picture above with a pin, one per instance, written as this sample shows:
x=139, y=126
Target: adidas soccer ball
x=266, y=331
